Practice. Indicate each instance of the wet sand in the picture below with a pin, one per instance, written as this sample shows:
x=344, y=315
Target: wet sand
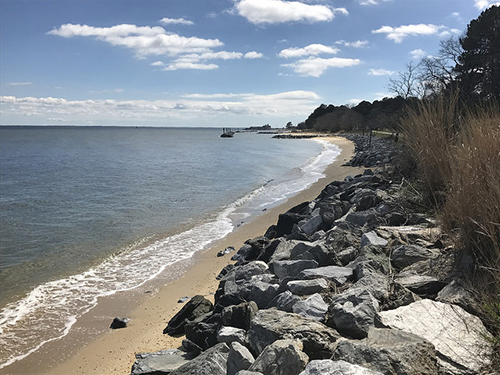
x=92, y=348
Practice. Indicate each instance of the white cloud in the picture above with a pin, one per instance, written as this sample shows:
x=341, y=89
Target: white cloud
x=356, y=44
x=188, y=109
x=381, y=72
x=372, y=2
x=310, y=50
x=19, y=83
x=483, y=4
x=316, y=66
x=397, y=34
x=158, y=63
x=280, y=11
x=253, y=55
x=183, y=65
x=145, y=40
x=418, y=54
x=176, y=21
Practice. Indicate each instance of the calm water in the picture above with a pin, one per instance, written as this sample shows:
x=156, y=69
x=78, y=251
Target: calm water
x=87, y=212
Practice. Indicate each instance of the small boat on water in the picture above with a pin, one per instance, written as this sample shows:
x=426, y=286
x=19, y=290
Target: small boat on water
x=227, y=133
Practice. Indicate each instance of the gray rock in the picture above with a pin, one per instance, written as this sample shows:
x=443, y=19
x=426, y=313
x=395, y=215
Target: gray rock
x=119, y=323
x=317, y=251
x=405, y=255
x=245, y=272
x=282, y=357
x=211, y=362
x=263, y=293
x=421, y=285
x=245, y=372
x=339, y=275
x=162, y=362
x=190, y=347
x=454, y=293
x=362, y=217
x=226, y=251
x=312, y=225
x=370, y=278
x=307, y=287
x=329, y=367
x=197, y=306
x=239, y=358
x=270, y=325
x=457, y=335
x=284, y=301
x=232, y=334
x=239, y=316
x=313, y=308
x=290, y=268
x=390, y=352
x=371, y=238
x=284, y=249
x=353, y=313
x=347, y=255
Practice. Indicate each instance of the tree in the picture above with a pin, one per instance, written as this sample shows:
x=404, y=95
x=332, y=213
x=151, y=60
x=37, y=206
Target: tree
x=408, y=84
x=478, y=66
x=289, y=125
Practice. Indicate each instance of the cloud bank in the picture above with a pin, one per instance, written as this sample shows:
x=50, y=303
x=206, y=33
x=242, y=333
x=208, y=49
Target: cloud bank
x=279, y=11
x=397, y=34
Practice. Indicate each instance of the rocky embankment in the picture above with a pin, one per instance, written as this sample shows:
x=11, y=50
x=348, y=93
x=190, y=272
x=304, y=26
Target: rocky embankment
x=350, y=283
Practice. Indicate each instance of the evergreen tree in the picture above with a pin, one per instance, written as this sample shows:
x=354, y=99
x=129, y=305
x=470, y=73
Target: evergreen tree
x=478, y=67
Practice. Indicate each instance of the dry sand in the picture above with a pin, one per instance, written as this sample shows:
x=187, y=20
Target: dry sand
x=112, y=352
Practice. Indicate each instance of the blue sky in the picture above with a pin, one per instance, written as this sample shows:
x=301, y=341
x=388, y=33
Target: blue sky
x=209, y=62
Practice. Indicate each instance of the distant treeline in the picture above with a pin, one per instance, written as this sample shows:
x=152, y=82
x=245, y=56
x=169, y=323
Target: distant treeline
x=385, y=113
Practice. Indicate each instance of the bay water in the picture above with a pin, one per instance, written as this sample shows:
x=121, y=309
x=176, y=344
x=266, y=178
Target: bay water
x=86, y=212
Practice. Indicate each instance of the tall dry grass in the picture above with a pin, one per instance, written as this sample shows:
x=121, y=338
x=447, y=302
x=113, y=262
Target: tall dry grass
x=457, y=152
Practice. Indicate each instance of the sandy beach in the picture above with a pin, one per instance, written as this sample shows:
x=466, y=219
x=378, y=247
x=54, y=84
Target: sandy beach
x=87, y=350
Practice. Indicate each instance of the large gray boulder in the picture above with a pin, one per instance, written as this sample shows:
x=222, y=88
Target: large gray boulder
x=339, y=275
x=239, y=358
x=262, y=293
x=329, y=367
x=314, y=307
x=245, y=272
x=307, y=287
x=270, y=325
x=282, y=357
x=232, y=334
x=196, y=307
x=372, y=238
x=405, y=255
x=284, y=301
x=240, y=315
x=353, y=313
x=421, y=284
x=458, y=336
x=158, y=363
x=211, y=362
x=291, y=268
x=284, y=249
x=391, y=352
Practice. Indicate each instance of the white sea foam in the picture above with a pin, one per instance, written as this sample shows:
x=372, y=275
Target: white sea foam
x=49, y=311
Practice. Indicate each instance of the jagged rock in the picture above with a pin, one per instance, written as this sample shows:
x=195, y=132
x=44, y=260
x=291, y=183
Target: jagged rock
x=251, y=249
x=287, y=220
x=245, y=372
x=409, y=234
x=421, y=285
x=262, y=293
x=119, y=323
x=391, y=352
x=190, y=347
x=371, y=238
x=317, y=251
x=347, y=255
x=353, y=313
x=232, y=334
x=284, y=301
x=370, y=276
x=239, y=316
x=454, y=293
x=197, y=306
x=398, y=296
x=307, y=287
x=287, y=268
x=211, y=362
x=339, y=275
x=245, y=272
x=203, y=330
x=457, y=335
x=342, y=236
x=360, y=218
x=314, y=307
x=405, y=255
x=312, y=225
x=282, y=357
x=162, y=362
x=239, y=358
x=329, y=367
x=270, y=325
x=284, y=249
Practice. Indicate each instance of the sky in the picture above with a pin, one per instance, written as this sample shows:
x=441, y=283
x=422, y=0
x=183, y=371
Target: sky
x=209, y=63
